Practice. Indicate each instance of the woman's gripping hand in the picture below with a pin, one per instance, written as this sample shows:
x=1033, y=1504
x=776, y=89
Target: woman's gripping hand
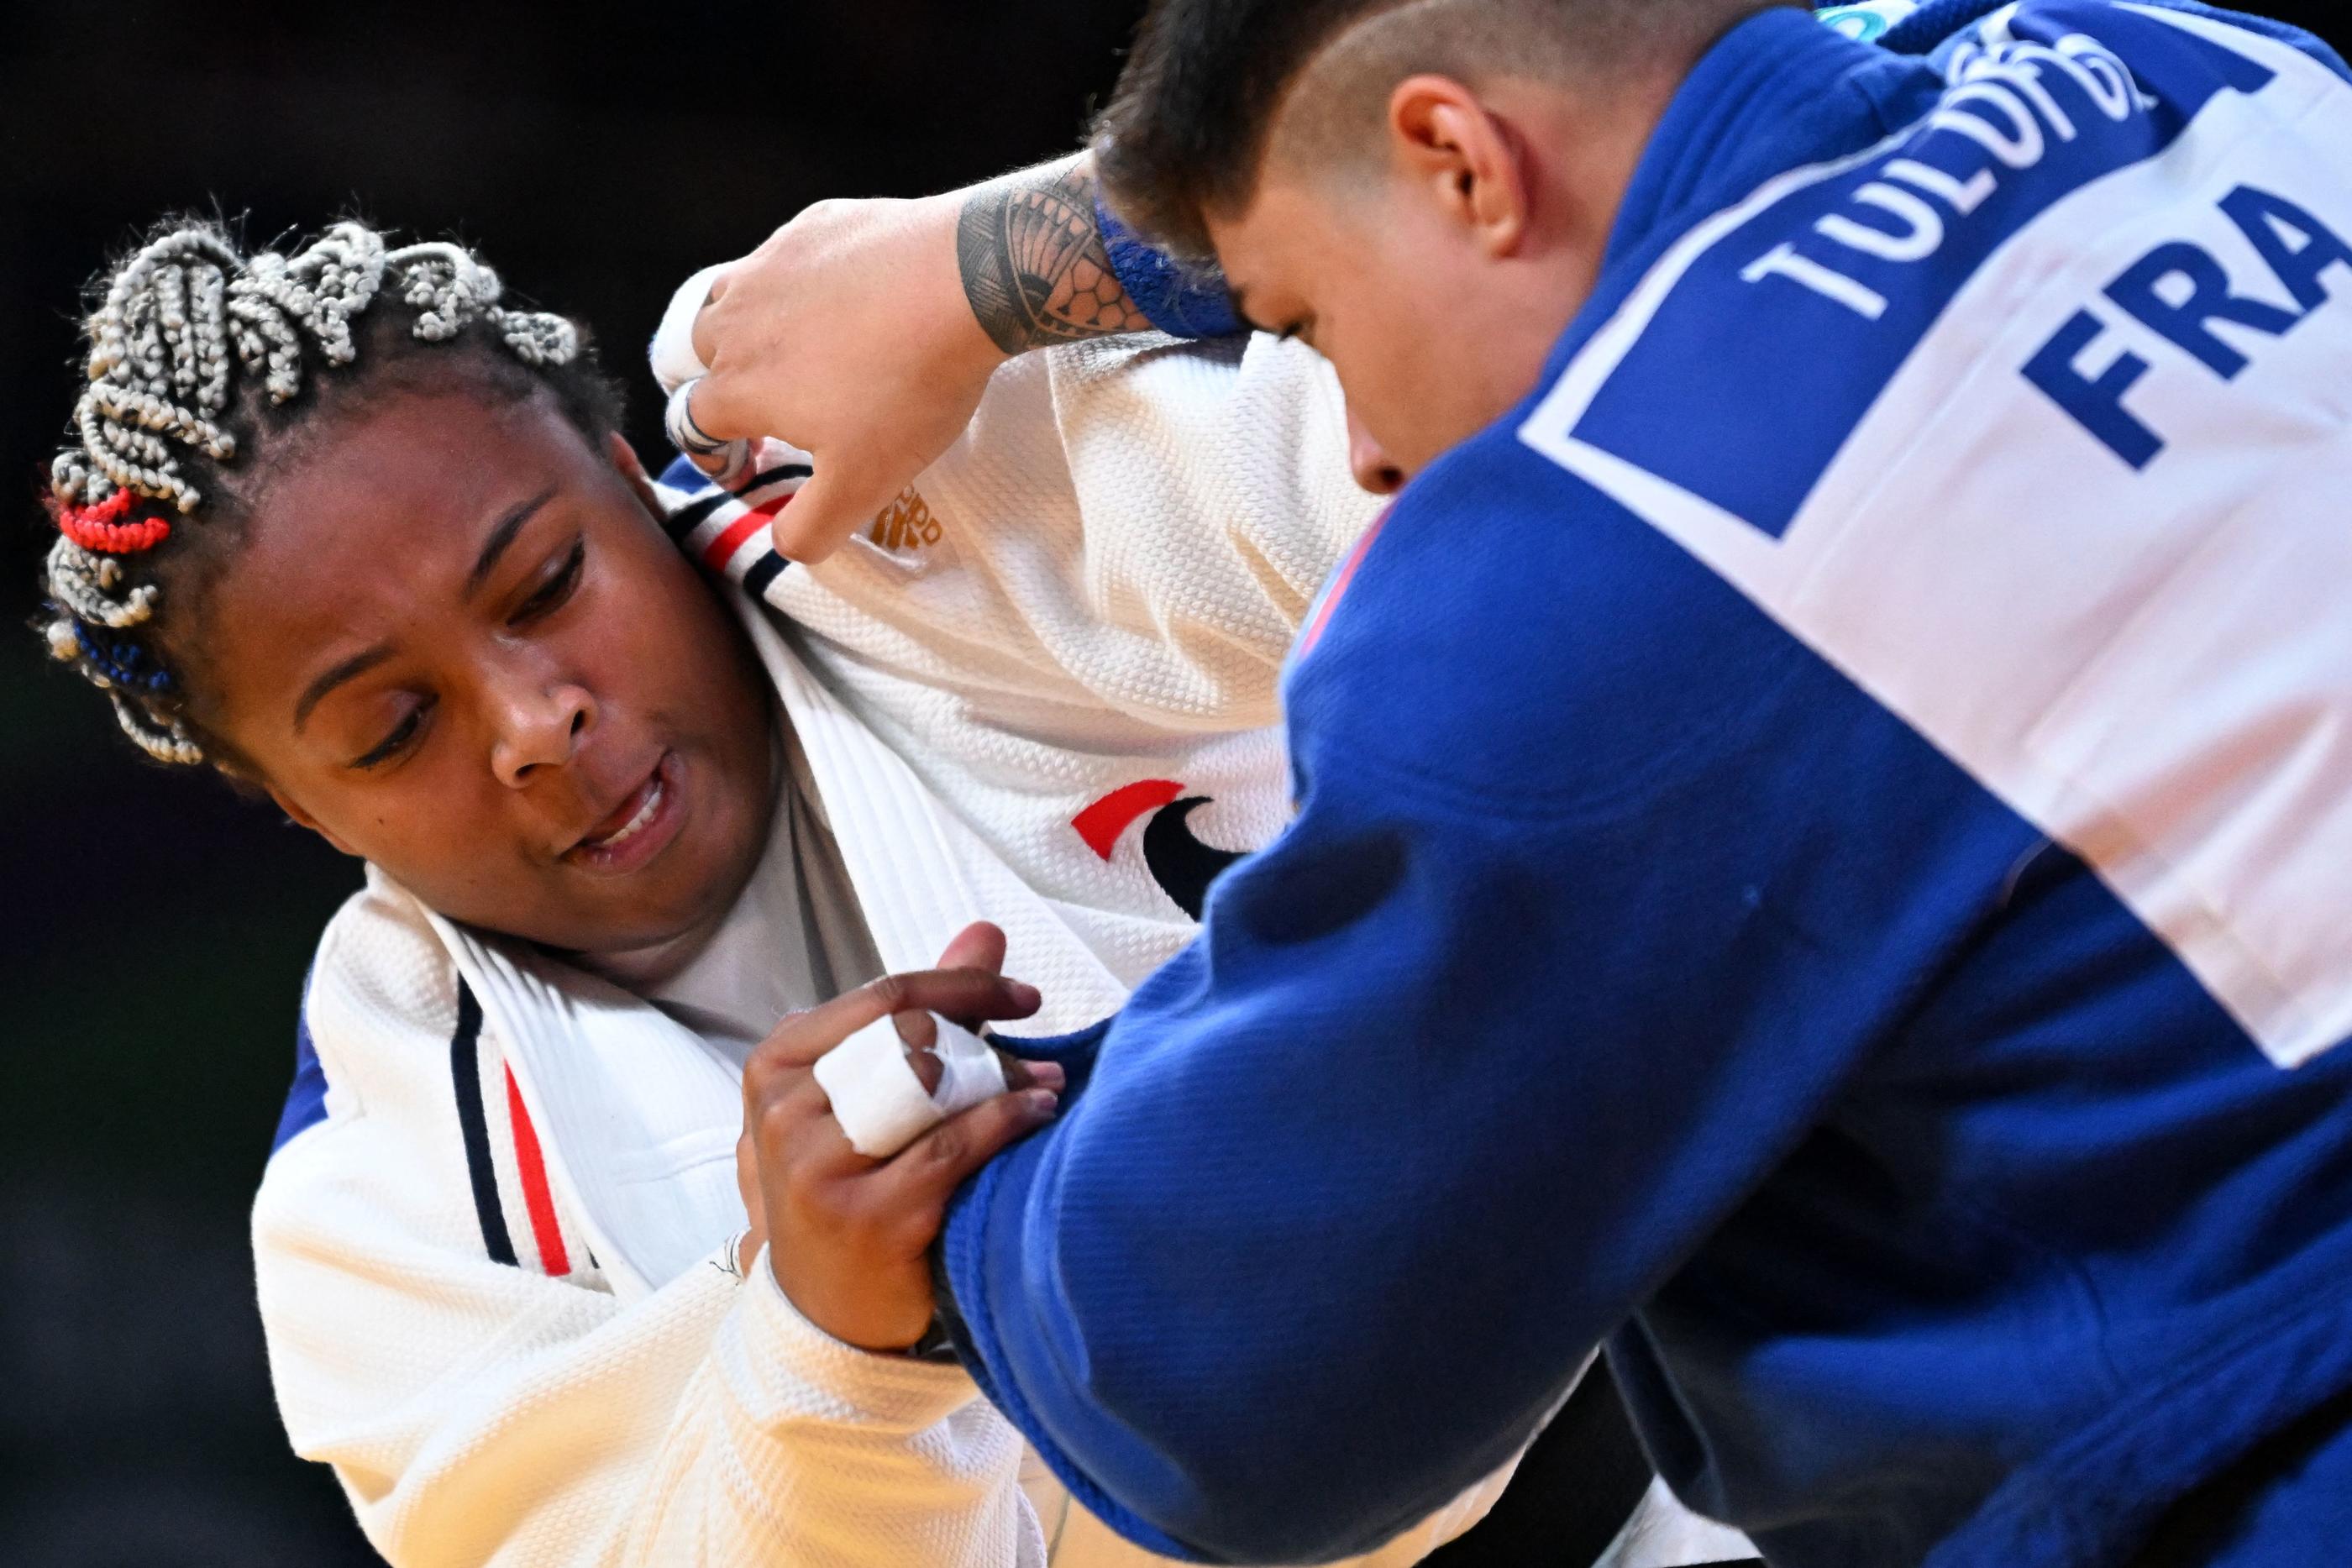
x=846, y=1235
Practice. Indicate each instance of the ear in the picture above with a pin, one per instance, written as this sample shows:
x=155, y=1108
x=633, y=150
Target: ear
x=302, y=819
x=623, y=458
x=1463, y=157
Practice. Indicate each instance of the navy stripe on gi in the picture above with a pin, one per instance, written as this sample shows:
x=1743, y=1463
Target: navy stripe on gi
x=466, y=1071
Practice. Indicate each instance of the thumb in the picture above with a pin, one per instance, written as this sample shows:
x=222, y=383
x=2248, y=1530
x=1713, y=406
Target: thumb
x=979, y=946
x=833, y=504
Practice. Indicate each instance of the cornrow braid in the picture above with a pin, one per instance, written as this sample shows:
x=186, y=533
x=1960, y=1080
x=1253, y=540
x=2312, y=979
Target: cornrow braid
x=187, y=333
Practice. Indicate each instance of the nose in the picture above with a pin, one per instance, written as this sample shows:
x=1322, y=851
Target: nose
x=1367, y=460
x=538, y=726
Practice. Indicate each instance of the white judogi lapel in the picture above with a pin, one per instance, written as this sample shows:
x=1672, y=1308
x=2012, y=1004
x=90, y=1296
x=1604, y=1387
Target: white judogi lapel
x=920, y=872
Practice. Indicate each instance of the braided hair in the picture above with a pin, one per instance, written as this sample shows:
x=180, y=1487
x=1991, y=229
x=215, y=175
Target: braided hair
x=197, y=351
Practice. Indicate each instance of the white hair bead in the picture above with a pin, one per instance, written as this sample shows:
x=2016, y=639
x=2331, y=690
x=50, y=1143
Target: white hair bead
x=179, y=319
x=75, y=583
x=165, y=740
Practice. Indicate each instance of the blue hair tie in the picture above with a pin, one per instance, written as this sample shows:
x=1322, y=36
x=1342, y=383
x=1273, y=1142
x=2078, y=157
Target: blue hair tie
x=121, y=664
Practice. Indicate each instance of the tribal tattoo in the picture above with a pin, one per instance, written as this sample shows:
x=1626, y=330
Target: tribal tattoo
x=1033, y=263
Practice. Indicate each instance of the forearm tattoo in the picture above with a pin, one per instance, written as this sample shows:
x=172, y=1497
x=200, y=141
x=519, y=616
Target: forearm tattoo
x=1033, y=263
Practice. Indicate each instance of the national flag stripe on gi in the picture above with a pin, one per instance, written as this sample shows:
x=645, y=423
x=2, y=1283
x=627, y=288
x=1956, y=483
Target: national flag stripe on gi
x=546, y=1234
x=504, y=1165
x=466, y=1077
x=727, y=530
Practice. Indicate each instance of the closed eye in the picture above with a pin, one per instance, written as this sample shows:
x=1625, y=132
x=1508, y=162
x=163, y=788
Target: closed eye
x=398, y=741
x=552, y=594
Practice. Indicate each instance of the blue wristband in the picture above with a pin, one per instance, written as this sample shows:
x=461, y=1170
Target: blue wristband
x=1186, y=302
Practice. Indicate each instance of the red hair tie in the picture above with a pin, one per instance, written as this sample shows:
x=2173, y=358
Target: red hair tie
x=99, y=528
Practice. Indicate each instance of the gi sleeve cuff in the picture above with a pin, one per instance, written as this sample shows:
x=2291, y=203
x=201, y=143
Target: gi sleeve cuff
x=1185, y=302
x=783, y=1368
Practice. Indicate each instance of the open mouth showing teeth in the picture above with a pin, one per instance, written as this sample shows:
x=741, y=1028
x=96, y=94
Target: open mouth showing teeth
x=641, y=828
x=649, y=801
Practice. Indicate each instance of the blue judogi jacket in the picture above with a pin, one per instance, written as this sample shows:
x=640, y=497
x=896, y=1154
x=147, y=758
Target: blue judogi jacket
x=1823, y=859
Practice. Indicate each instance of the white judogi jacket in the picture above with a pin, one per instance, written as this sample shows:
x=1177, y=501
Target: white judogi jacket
x=495, y=1260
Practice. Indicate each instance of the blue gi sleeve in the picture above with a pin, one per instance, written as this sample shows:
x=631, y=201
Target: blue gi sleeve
x=1186, y=302
x=1537, y=985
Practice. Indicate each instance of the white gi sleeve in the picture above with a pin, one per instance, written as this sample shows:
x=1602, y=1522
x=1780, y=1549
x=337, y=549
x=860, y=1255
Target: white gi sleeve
x=480, y=1413
x=1213, y=481
x=1130, y=532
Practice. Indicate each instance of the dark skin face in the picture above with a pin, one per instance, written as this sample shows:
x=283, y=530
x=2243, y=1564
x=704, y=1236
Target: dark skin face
x=453, y=640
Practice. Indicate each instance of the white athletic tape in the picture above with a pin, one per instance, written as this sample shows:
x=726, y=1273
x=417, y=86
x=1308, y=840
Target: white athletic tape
x=673, y=359
x=678, y=419
x=726, y=462
x=974, y=1073
x=879, y=1100
x=678, y=367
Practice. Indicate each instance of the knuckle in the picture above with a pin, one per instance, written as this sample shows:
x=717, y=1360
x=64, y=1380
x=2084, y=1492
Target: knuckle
x=712, y=403
x=775, y=1067
x=775, y=1121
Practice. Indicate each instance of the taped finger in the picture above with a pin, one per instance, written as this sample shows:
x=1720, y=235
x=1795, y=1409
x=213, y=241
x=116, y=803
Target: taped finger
x=880, y=1103
x=726, y=462
x=674, y=359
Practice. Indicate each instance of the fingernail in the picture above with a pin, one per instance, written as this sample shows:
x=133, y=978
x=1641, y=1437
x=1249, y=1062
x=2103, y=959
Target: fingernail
x=1024, y=993
x=1045, y=1101
x=1047, y=1075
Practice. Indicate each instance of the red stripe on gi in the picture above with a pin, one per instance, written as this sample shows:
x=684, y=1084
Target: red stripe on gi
x=536, y=1197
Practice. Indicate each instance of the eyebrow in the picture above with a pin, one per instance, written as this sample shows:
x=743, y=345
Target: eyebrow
x=500, y=537
x=358, y=664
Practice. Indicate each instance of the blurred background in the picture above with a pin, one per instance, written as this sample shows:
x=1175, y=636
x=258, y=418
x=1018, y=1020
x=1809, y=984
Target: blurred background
x=157, y=927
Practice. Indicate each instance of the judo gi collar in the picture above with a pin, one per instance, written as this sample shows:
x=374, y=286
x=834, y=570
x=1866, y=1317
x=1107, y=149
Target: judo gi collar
x=1765, y=100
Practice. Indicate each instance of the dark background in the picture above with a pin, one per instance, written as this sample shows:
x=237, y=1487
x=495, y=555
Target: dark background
x=156, y=927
